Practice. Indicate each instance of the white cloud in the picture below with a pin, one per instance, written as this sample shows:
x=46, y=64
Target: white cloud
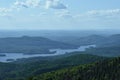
x=111, y=12
x=64, y=14
x=55, y=4
x=17, y=5
x=99, y=18
x=33, y=3
x=5, y=10
x=27, y=3
x=20, y=4
x=5, y=15
x=38, y=15
x=67, y=16
x=2, y=15
x=100, y=14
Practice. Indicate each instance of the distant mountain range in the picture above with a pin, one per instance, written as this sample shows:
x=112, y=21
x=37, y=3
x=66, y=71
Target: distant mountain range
x=103, y=41
x=28, y=44
x=41, y=45
x=72, y=66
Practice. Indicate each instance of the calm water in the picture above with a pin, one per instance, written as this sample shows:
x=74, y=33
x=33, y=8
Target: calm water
x=15, y=56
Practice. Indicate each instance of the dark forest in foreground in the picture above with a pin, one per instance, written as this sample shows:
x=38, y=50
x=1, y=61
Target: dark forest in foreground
x=103, y=70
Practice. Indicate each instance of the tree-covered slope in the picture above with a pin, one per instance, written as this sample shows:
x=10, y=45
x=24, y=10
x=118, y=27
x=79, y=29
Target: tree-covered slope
x=17, y=71
x=28, y=44
x=103, y=70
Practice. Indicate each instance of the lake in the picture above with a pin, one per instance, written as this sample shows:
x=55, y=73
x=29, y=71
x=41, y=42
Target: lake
x=9, y=57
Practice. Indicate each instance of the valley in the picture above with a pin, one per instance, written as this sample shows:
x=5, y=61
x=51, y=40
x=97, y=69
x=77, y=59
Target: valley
x=27, y=60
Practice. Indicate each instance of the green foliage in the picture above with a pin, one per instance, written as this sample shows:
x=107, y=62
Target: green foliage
x=38, y=66
x=102, y=70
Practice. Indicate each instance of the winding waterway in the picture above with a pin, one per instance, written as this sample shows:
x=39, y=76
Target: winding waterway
x=14, y=56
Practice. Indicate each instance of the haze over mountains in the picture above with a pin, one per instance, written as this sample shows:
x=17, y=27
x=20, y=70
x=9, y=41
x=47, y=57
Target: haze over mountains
x=54, y=34
x=28, y=45
x=86, y=63
x=59, y=39
x=99, y=40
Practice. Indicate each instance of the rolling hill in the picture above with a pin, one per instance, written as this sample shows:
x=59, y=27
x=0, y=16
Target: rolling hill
x=28, y=44
x=103, y=70
x=99, y=40
x=36, y=66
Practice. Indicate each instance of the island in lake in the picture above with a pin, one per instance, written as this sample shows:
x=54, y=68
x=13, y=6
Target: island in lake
x=10, y=60
x=2, y=55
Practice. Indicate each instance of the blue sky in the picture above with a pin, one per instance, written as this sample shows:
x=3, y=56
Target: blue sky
x=59, y=14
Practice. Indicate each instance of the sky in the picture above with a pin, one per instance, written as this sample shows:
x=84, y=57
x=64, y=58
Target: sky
x=59, y=14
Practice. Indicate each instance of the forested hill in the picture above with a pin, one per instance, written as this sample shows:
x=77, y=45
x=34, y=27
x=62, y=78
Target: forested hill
x=99, y=40
x=36, y=66
x=28, y=44
x=105, y=70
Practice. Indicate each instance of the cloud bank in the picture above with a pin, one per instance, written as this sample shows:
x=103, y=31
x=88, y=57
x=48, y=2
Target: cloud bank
x=104, y=12
x=55, y=4
x=27, y=3
x=5, y=10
